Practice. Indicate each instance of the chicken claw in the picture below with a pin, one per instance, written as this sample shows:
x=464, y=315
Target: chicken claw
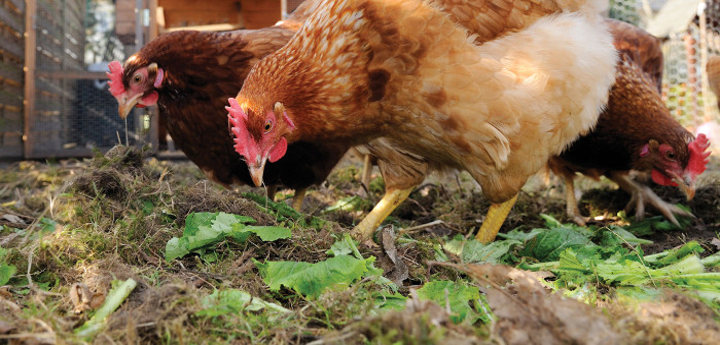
x=494, y=220
x=641, y=195
x=389, y=202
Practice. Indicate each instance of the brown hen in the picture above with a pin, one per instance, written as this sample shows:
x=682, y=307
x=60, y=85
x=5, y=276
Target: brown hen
x=190, y=75
x=635, y=132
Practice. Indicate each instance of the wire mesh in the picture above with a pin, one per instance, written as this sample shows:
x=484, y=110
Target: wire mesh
x=75, y=113
x=683, y=68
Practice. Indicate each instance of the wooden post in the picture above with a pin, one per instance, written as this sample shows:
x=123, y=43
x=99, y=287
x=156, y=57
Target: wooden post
x=29, y=69
x=153, y=6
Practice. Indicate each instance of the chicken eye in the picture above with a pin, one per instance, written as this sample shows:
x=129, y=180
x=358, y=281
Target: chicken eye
x=137, y=78
x=268, y=126
x=671, y=155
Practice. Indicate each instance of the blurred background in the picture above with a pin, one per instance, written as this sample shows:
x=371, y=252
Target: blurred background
x=54, y=53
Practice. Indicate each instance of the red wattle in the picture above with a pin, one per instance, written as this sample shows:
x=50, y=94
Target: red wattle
x=150, y=99
x=278, y=151
x=661, y=179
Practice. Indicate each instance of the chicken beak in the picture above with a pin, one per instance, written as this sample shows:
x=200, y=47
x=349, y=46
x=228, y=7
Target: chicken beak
x=126, y=104
x=687, y=185
x=256, y=172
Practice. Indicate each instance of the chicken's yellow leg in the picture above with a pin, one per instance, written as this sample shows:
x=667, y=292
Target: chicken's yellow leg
x=367, y=170
x=298, y=198
x=494, y=220
x=382, y=209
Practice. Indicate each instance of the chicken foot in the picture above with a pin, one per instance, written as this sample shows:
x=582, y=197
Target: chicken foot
x=571, y=205
x=640, y=195
x=494, y=220
x=388, y=203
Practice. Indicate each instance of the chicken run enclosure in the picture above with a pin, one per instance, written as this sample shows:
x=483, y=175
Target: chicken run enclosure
x=111, y=234
x=53, y=54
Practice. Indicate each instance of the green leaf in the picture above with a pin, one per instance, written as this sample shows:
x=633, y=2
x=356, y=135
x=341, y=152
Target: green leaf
x=548, y=245
x=472, y=251
x=204, y=229
x=312, y=279
x=269, y=233
x=517, y=234
x=234, y=301
x=460, y=297
x=616, y=235
x=385, y=301
x=6, y=272
x=194, y=220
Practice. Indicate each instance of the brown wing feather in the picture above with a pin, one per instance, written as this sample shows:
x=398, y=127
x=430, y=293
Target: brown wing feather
x=641, y=47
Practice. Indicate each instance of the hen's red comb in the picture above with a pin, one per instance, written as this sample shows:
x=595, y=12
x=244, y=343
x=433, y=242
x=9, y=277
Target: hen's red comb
x=115, y=75
x=241, y=137
x=235, y=111
x=698, y=155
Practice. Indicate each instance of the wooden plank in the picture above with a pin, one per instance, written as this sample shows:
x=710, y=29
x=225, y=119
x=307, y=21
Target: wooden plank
x=10, y=19
x=29, y=102
x=12, y=47
x=153, y=29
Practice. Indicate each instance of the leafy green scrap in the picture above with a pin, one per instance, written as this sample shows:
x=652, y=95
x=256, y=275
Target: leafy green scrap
x=7, y=271
x=204, y=229
x=547, y=245
x=472, y=251
x=312, y=279
x=462, y=299
x=234, y=301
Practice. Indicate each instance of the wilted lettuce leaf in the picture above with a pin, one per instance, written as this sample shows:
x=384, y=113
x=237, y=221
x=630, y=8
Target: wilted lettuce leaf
x=222, y=302
x=311, y=279
x=203, y=229
x=461, y=298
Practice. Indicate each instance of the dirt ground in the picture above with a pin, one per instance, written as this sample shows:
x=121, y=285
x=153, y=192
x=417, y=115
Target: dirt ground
x=72, y=227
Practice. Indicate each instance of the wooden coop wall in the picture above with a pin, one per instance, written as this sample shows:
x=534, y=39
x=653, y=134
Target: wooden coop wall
x=12, y=46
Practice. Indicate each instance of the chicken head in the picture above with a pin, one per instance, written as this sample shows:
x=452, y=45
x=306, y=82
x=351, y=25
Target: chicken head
x=134, y=88
x=677, y=168
x=262, y=141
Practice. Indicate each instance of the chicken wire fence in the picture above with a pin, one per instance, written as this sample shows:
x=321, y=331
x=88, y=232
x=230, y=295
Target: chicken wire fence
x=73, y=112
x=689, y=36
x=62, y=108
